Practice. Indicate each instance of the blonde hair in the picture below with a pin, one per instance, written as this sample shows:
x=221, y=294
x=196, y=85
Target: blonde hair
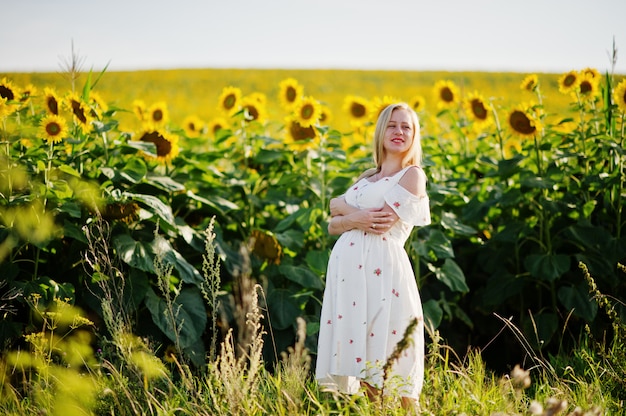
x=414, y=154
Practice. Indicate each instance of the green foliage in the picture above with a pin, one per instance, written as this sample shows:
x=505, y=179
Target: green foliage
x=114, y=220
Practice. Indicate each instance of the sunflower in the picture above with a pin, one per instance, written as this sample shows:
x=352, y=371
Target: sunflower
x=522, y=122
x=358, y=108
x=193, y=126
x=589, y=87
x=53, y=129
x=166, y=144
x=80, y=111
x=299, y=137
x=229, y=99
x=158, y=115
x=170, y=353
x=418, y=103
x=124, y=211
x=98, y=105
x=326, y=116
x=290, y=92
x=140, y=110
x=259, y=97
x=619, y=96
x=266, y=246
x=512, y=147
x=5, y=109
x=51, y=101
x=530, y=83
x=8, y=90
x=27, y=93
x=379, y=104
x=446, y=93
x=590, y=72
x=253, y=110
x=478, y=110
x=217, y=124
x=568, y=82
x=307, y=111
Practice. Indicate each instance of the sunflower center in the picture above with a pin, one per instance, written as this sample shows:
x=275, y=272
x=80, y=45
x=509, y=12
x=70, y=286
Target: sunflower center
x=163, y=146
x=53, y=128
x=252, y=113
x=229, y=101
x=157, y=115
x=217, y=127
x=357, y=110
x=521, y=123
x=479, y=110
x=77, y=109
x=300, y=133
x=53, y=105
x=585, y=87
x=6, y=93
x=569, y=80
x=290, y=94
x=446, y=95
x=307, y=111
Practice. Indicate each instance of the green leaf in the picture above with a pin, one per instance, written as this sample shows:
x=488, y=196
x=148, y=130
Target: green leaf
x=282, y=308
x=437, y=243
x=451, y=275
x=134, y=253
x=147, y=147
x=186, y=271
x=268, y=156
x=134, y=170
x=544, y=328
x=317, y=260
x=450, y=222
x=165, y=183
x=158, y=207
x=69, y=170
x=433, y=314
x=501, y=286
x=548, y=267
x=184, y=320
x=301, y=275
x=537, y=182
x=291, y=238
x=73, y=231
x=578, y=299
x=216, y=202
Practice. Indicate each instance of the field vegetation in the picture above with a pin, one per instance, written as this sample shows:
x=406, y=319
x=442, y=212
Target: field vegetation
x=163, y=238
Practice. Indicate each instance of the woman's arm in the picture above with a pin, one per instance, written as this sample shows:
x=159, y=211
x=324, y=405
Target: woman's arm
x=375, y=221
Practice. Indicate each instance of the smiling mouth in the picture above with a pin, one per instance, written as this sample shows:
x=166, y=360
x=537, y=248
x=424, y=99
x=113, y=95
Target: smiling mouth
x=397, y=140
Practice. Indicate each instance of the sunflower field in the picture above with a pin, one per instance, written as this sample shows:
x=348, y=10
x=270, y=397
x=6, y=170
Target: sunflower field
x=170, y=219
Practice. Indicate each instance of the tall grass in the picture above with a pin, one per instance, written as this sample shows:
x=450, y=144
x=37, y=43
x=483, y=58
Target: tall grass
x=60, y=373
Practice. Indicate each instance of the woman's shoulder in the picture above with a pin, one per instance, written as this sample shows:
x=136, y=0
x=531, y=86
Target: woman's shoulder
x=414, y=179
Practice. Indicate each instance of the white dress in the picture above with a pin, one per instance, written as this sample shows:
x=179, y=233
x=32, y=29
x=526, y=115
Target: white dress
x=371, y=296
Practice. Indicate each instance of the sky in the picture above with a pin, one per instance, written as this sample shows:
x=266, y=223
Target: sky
x=440, y=35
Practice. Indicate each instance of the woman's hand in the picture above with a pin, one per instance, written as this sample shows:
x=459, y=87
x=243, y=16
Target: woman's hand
x=375, y=221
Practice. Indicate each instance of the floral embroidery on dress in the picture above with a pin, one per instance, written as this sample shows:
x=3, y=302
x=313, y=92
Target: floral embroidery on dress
x=396, y=204
x=377, y=272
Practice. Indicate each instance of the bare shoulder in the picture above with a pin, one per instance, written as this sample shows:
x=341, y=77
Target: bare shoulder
x=414, y=180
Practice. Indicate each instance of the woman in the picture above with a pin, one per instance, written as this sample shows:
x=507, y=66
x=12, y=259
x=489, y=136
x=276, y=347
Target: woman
x=371, y=295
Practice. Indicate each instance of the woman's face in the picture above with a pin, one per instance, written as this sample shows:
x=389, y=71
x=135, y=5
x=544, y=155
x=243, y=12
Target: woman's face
x=399, y=132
